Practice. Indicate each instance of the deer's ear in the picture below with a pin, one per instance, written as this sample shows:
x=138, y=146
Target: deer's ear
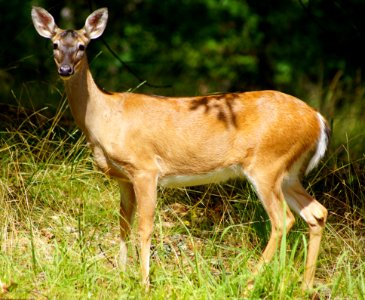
x=96, y=23
x=43, y=22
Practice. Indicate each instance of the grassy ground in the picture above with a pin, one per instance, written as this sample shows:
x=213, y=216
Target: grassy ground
x=59, y=229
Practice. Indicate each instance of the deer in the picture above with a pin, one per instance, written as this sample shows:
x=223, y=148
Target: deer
x=144, y=141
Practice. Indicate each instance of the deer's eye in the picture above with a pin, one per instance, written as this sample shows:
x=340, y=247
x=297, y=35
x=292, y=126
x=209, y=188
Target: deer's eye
x=81, y=47
x=55, y=46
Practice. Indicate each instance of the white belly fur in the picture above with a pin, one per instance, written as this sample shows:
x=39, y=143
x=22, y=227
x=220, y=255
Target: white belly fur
x=216, y=176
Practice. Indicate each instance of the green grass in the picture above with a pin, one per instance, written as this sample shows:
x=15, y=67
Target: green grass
x=59, y=235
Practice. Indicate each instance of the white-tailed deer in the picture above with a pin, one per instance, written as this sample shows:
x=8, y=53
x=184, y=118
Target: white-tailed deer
x=145, y=141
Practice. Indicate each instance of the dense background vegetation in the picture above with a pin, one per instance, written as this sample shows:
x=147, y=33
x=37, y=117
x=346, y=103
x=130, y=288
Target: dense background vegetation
x=197, y=46
x=50, y=195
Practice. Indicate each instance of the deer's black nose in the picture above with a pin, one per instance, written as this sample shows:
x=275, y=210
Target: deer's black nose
x=65, y=70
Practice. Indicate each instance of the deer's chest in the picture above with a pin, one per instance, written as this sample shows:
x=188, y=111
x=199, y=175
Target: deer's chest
x=109, y=165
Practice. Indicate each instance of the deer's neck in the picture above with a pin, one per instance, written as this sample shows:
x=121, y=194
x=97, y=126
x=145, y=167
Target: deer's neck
x=84, y=96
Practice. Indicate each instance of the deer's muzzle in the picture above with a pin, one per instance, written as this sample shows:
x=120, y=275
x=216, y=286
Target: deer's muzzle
x=65, y=70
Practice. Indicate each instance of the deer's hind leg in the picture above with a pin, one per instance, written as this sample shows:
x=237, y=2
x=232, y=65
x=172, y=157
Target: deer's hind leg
x=314, y=214
x=269, y=190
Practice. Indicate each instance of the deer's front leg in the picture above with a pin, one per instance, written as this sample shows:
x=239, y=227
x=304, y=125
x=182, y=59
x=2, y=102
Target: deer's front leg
x=145, y=187
x=127, y=208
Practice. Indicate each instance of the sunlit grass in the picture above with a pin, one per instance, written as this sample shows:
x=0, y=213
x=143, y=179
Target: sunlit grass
x=59, y=235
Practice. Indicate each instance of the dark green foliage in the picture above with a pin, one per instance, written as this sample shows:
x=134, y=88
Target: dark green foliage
x=195, y=46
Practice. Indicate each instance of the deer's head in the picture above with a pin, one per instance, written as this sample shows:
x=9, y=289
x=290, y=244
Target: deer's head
x=69, y=45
